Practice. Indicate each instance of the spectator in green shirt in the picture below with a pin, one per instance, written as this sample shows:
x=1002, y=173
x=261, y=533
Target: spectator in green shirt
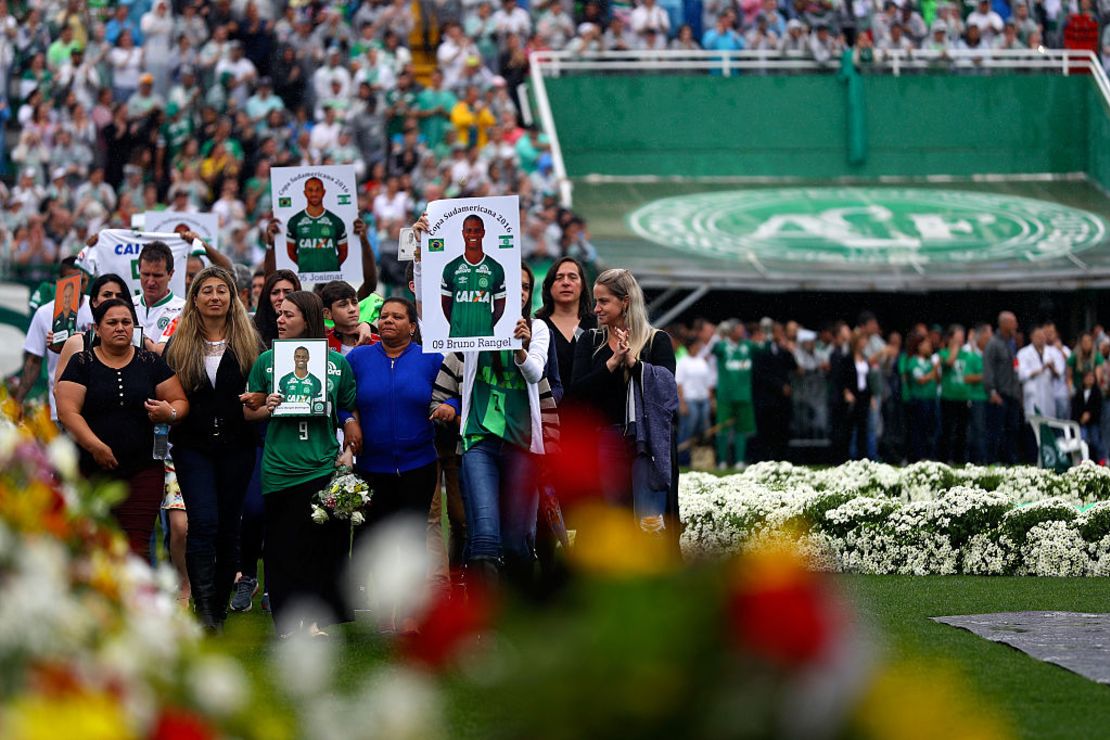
x=977, y=397
x=922, y=373
x=954, y=410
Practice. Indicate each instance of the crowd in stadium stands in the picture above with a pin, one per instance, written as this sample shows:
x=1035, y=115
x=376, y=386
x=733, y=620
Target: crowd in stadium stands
x=112, y=109
x=956, y=394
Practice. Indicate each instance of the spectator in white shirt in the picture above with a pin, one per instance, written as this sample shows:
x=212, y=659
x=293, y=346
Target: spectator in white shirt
x=650, y=15
x=555, y=26
x=988, y=22
x=241, y=68
x=323, y=77
x=695, y=386
x=511, y=20
x=453, y=53
x=1037, y=368
x=325, y=134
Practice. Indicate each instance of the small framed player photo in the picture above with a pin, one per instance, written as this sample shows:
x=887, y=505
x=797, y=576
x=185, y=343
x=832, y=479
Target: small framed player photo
x=301, y=377
x=67, y=299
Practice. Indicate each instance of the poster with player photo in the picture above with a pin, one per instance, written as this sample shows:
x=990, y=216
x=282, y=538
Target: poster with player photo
x=67, y=300
x=317, y=208
x=470, y=261
x=204, y=225
x=301, y=377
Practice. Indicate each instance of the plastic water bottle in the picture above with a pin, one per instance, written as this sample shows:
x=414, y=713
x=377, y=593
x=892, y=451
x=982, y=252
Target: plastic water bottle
x=161, y=441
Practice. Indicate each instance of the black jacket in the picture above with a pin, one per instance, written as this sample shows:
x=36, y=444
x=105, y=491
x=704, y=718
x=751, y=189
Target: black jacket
x=1093, y=405
x=215, y=420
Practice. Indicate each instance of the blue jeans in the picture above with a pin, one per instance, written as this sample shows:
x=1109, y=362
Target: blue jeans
x=213, y=486
x=1092, y=435
x=695, y=422
x=625, y=476
x=500, y=495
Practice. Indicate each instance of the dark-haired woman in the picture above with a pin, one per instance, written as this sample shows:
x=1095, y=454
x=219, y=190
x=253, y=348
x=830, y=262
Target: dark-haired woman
x=212, y=352
x=277, y=285
x=566, y=310
x=302, y=558
x=109, y=399
x=104, y=288
x=567, y=313
x=394, y=380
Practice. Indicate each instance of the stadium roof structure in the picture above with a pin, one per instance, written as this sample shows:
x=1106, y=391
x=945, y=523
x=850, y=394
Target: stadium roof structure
x=1009, y=235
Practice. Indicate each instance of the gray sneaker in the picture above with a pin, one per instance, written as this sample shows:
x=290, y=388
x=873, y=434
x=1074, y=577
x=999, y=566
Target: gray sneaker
x=245, y=589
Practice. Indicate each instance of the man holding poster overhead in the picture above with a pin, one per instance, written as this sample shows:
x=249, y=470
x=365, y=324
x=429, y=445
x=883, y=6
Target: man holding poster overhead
x=316, y=238
x=473, y=286
x=316, y=209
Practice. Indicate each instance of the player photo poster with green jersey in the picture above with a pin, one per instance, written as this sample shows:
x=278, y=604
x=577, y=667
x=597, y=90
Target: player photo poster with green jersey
x=67, y=300
x=317, y=208
x=470, y=274
x=300, y=376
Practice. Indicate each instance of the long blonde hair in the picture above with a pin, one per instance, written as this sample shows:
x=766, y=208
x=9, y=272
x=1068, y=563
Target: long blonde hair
x=186, y=352
x=620, y=283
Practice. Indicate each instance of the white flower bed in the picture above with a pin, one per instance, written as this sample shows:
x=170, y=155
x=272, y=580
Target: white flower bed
x=924, y=519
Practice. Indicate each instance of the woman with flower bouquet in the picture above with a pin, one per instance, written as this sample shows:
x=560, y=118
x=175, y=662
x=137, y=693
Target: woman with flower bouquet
x=302, y=559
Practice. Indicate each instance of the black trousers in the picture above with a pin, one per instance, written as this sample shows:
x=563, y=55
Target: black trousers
x=407, y=492
x=303, y=560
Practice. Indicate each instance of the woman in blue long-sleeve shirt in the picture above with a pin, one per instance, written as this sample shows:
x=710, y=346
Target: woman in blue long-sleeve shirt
x=394, y=380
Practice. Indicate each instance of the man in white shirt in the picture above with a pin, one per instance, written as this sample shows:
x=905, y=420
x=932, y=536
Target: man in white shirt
x=1037, y=368
x=1060, y=354
x=35, y=346
x=650, y=15
x=511, y=20
x=453, y=53
x=323, y=77
x=695, y=386
x=989, y=22
x=241, y=68
x=325, y=134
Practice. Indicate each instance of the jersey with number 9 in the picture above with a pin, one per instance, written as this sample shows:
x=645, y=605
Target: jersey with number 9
x=299, y=450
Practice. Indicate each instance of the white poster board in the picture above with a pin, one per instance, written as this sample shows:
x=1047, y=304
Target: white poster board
x=301, y=377
x=117, y=251
x=470, y=274
x=205, y=225
x=317, y=207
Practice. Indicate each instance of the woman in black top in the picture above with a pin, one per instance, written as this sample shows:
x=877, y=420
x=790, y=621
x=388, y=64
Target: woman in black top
x=279, y=284
x=109, y=399
x=605, y=361
x=853, y=399
x=212, y=351
x=566, y=310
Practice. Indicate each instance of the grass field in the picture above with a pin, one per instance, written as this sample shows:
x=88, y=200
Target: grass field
x=1041, y=700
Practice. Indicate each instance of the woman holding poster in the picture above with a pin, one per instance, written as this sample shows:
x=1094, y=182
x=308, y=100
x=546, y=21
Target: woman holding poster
x=213, y=350
x=302, y=559
x=507, y=417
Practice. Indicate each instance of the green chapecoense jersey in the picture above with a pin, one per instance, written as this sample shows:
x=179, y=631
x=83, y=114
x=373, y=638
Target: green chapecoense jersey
x=299, y=390
x=473, y=289
x=301, y=449
x=318, y=240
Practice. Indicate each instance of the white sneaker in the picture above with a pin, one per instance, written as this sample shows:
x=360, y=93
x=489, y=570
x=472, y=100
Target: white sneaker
x=740, y=466
x=722, y=466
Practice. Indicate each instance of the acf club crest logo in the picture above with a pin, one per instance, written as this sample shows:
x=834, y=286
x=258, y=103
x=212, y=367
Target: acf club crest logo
x=845, y=226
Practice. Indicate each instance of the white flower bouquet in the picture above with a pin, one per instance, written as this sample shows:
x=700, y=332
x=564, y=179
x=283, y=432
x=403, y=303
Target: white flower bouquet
x=344, y=498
